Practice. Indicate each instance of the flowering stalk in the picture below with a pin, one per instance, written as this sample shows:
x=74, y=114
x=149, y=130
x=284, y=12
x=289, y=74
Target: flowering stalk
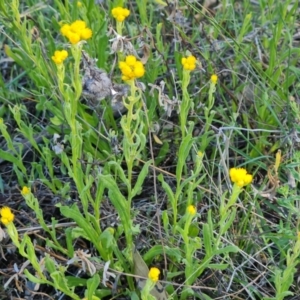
x=120, y=14
x=208, y=112
x=25, y=248
x=191, y=244
x=240, y=178
x=131, y=69
x=71, y=98
x=153, y=277
x=134, y=142
x=189, y=249
x=75, y=33
x=33, y=203
x=7, y=218
x=189, y=64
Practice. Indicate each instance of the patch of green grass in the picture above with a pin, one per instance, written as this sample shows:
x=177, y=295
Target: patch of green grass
x=121, y=176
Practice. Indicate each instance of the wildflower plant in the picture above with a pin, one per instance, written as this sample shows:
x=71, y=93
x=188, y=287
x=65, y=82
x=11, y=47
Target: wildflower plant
x=133, y=144
x=189, y=64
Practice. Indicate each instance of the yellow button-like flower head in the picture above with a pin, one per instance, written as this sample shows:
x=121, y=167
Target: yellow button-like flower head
x=76, y=31
x=240, y=177
x=59, y=57
x=189, y=63
x=191, y=209
x=120, y=13
x=6, y=215
x=65, y=29
x=138, y=70
x=130, y=60
x=131, y=68
x=74, y=38
x=78, y=25
x=214, y=78
x=86, y=33
x=25, y=191
x=154, y=274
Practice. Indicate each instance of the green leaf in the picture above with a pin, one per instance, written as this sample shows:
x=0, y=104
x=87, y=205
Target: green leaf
x=61, y=282
x=117, y=199
x=34, y=279
x=218, y=266
x=120, y=172
x=156, y=250
x=74, y=214
x=164, y=150
x=140, y=179
x=207, y=240
x=227, y=250
x=167, y=189
x=227, y=220
x=75, y=281
x=50, y=265
x=69, y=241
x=15, y=160
x=183, y=153
x=92, y=285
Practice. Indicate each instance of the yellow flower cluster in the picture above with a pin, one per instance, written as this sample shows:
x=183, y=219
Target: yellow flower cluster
x=76, y=31
x=59, y=56
x=6, y=215
x=131, y=68
x=154, y=274
x=214, y=78
x=120, y=13
x=240, y=177
x=191, y=209
x=25, y=191
x=189, y=63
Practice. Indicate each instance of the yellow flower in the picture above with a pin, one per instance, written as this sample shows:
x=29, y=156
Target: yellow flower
x=76, y=31
x=59, y=57
x=6, y=215
x=25, y=191
x=120, y=13
x=79, y=4
x=240, y=177
x=189, y=63
x=200, y=154
x=191, y=209
x=65, y=29
x=86, y=33
x=214, y=78
x=131, y=68
x=154, y=274
x=130, y=60
x=78, y=25
x=73, y=38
